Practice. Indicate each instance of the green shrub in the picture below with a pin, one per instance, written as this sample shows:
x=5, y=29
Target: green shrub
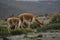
x=3, y=29
x=28, y=30
x=35, y=25
x=55, y=26
x=21, y=31
x=16, y=32
x=55, y=18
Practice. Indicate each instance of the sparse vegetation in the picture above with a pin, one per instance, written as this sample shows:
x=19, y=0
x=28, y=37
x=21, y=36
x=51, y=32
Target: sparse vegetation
x=55, y=26
x=56, y=18
x=51, y=26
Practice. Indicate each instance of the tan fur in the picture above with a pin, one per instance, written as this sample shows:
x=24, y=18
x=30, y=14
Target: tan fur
x=29, y=18
x=13, y=21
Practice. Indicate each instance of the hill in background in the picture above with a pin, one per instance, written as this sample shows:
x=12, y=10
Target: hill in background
x=7, y=8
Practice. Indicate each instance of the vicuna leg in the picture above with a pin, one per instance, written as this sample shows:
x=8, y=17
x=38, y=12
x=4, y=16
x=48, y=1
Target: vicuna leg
x=29, y=24
x=22, y=25
x=9, y=28
x=16, y=26
x=19, y=25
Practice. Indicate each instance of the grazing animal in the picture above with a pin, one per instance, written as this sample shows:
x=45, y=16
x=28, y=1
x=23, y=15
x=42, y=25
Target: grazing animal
x=28, y=18
x=13, y=21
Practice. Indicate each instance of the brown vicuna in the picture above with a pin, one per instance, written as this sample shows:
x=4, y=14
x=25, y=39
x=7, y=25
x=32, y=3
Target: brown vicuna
x=29, y=18
x=13, y=21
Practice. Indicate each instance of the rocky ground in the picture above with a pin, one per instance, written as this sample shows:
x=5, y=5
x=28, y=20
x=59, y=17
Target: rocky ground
x=34, y=36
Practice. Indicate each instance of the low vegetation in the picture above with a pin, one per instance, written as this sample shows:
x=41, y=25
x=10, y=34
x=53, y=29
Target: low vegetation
x=54, y=25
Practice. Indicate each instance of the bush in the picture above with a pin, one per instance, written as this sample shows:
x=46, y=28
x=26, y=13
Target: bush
x=16, y=32
x=55, y=26
x=28, y=30
x=21, y=31
x=35, y=25
x=3, y=29
x=55, y=18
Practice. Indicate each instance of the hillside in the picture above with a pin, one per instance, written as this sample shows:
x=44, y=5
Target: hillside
x=6, y=11
x=37, y=7
x=8, y=8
